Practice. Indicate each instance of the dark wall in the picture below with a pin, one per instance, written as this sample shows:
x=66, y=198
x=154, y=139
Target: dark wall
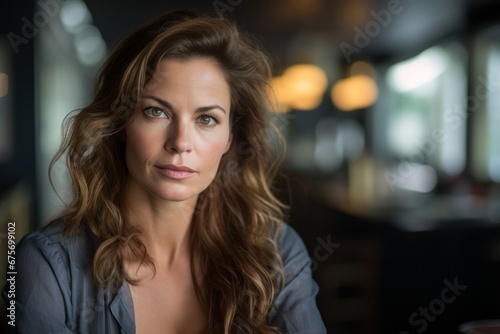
x=20, y=168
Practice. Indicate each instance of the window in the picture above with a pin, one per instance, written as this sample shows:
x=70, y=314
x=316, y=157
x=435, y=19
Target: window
x=426, y=112
x=484, y=106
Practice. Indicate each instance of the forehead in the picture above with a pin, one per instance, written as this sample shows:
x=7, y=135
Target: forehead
x=195, y=81
x=194, y=70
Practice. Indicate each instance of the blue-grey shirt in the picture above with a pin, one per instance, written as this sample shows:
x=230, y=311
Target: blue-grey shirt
x=55, y=291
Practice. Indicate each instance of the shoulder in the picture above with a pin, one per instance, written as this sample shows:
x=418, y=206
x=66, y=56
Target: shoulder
x=296, y=309
x=289, y=240
x=53, y=281
x=44, y=240
x=293, y=252
x=54, y=246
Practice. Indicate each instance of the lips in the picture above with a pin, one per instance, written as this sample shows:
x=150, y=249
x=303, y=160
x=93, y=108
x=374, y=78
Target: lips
x=176, y=168
x=175, y=172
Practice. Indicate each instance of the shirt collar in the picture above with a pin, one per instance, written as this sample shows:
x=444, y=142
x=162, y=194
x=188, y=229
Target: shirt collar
x=122, y=308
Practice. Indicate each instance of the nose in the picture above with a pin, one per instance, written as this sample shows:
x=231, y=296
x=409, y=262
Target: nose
x=178, y=138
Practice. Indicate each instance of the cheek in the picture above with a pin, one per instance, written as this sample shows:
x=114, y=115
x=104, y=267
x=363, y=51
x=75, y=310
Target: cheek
x=138, y=145
x=213, y=152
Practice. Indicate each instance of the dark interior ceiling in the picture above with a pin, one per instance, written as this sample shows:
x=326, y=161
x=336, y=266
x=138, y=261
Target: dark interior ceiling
x=285, y=25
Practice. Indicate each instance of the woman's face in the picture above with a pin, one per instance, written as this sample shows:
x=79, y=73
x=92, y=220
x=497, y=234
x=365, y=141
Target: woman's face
x=180, y=130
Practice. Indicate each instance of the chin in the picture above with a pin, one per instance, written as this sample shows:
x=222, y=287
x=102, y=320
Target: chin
x=175, y=195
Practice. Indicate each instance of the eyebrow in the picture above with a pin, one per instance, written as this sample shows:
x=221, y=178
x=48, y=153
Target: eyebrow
x=169, y=106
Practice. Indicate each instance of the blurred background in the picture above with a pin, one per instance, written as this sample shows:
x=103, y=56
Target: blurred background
x=391, y=112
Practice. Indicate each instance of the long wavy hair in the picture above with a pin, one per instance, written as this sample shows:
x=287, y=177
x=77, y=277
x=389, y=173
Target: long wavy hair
x=237, y=220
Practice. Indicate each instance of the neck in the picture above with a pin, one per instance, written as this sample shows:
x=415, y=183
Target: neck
x=164, y=225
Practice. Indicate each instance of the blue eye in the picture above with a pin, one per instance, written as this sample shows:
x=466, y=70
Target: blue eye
x=155, y=112
x=207, y=120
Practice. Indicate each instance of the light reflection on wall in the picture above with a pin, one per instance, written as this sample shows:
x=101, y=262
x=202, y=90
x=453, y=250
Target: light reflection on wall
x=74, y=16
x=493, y=113
x=358, y=90
x=67, y=56
x=89, y=45
x=420, y=70
x=406, y=130
x=303, y=87
x=426, y=96
x=77, y=21
x=4, y=84
x=337, y=142
x=422, y=179
x=329, y=150
x=486, y=106
x=353, y=136
x=355, y=92
x=300, y=87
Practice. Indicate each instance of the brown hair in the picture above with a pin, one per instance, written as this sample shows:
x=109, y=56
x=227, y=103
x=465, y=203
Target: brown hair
x=237, y=220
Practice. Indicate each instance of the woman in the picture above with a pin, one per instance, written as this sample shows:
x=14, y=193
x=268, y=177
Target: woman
x=173, y=227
